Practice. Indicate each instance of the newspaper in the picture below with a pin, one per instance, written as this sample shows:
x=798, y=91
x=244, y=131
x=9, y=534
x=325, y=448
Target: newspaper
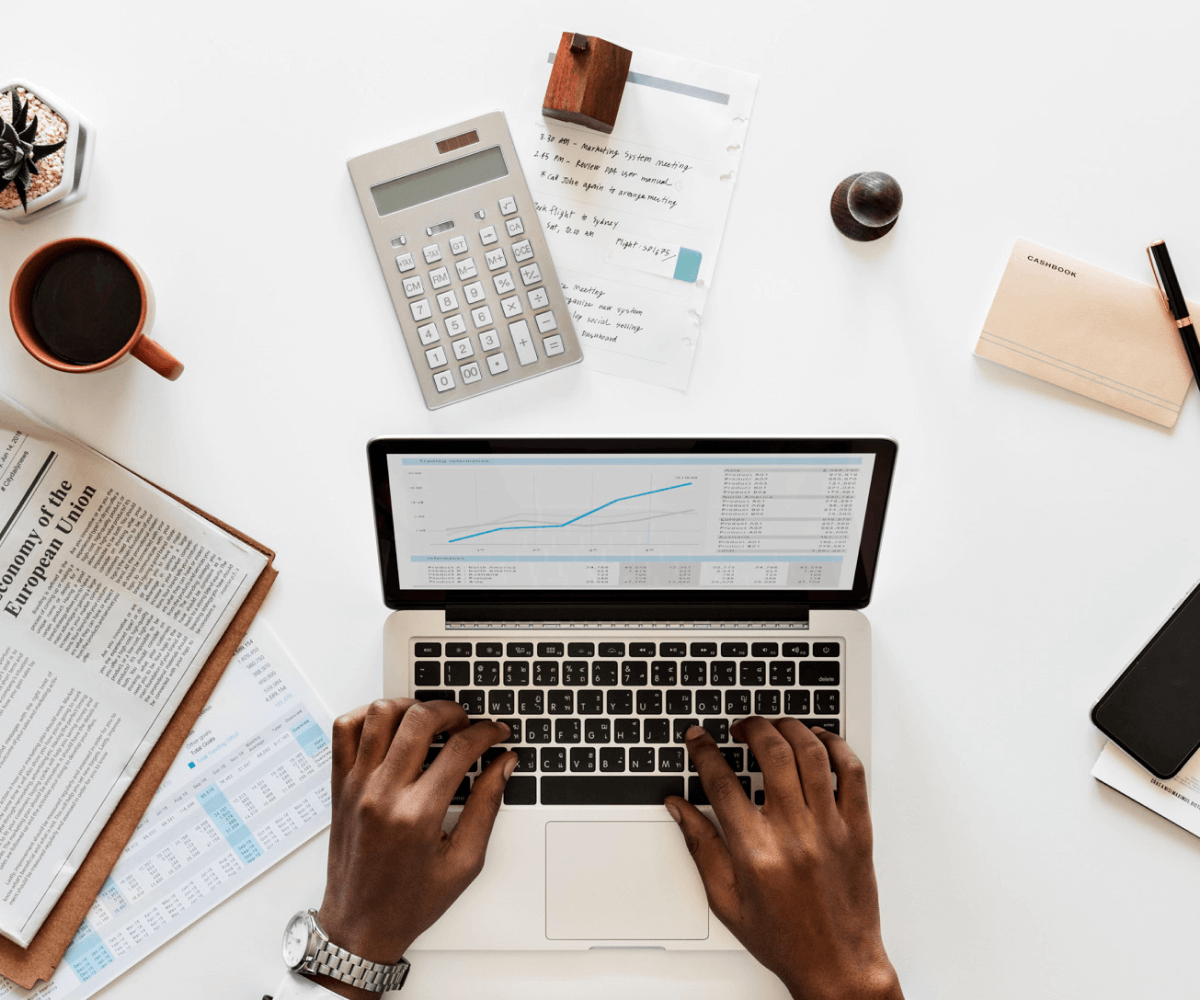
x=112, y=596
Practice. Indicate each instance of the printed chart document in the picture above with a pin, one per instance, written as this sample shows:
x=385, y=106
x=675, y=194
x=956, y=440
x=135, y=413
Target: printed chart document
x=250, y=786
x=112, y=596
x=1176, y=799
x=634, y=219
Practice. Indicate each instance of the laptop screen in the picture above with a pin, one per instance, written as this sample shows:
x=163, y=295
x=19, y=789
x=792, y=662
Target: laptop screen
x=670, y=521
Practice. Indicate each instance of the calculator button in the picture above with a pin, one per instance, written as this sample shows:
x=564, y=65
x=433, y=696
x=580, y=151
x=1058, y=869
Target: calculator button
x=439, y=278
x=420, y=309
x=523, y=341
x=474, y=292
x=463, y=348
x=546, y=322
x=553, y=345
x=413, y=286
x=466, y=268
x=511, y=306
x=428, y=333
x=471, y=373
x=522, y=251
x=504, y=283
x=538, y=299
x=487, y=235
x=405, y=262
x=497, y=364
x=490, y=341
x=433, y=253
x=495, y=259
x=531, y=274
x=458, y=244
x=508, y=205
x=444, y=381
x=481, y=317
x=456, y=325
x=515, y=226
x=436, y=357
x=448, y=302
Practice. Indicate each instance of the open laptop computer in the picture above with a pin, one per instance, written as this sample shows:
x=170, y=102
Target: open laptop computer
x=601, y=596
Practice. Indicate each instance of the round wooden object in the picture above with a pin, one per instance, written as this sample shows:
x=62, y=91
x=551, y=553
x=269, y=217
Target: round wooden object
x=866, y=206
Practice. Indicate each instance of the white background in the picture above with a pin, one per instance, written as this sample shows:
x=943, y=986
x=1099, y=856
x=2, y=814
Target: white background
x=1034, y=541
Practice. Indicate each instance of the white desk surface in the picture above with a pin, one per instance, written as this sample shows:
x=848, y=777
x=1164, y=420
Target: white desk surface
x=1035, y=538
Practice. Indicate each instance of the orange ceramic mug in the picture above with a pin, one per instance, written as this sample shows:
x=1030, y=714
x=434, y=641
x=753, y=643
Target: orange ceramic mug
x=73, y=297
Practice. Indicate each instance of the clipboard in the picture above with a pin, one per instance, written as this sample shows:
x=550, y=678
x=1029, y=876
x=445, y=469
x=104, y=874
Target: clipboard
x=25, y=966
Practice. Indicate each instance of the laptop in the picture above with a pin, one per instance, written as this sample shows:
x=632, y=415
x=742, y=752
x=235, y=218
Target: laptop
x=602, y=596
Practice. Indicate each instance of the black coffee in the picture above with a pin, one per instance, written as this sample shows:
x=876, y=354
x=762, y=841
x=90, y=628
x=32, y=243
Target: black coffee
x=86, y=306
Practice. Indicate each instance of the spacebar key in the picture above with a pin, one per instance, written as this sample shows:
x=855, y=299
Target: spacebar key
x=609, y=790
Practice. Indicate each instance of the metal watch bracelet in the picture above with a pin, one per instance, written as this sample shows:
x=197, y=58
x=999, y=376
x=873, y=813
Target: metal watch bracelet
x=330, y=960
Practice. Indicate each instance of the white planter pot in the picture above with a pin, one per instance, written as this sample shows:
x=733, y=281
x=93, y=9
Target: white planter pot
x=77, y=158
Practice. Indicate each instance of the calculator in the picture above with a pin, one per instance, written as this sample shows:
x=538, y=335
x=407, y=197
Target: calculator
x=465, y=260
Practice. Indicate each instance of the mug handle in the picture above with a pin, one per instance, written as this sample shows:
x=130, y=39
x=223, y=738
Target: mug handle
x=154, y=355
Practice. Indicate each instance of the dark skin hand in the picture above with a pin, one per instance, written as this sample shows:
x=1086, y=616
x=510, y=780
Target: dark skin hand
x=793, y=880
x=392, y=869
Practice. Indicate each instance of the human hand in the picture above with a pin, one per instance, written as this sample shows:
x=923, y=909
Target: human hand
x=392, y=869
x=793, y=880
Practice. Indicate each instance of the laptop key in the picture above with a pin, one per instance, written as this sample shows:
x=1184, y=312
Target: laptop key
x=737, y=703
x=501, y=703
x=612, y=759
x=656, y=731
x=670, y=758
x=766, y=702
x=611, y=790
x=681, y=726
x=581, y=649
x=764, y=649
x=597, y=730
x=826, y=649
x=703, y=649
x=516, y=672
x=620, y=702
x=820, y=672
x=664, y=673
x=827, y=702
x=566, y=731
x=427, y=648
x=738, y=649
x=472, y=702
x=526, y=759
x=545, y=673
x=637, y=649
x=641, y=758
x=752, y=764
x=633, y=673
x=795, y=649
x=583, y=758
x=723, y=673
x=672, y=649
x=649, y=702
x=531, y=702
x=734, y=758
x=458, y=649
x=693, y=673
x=590, y=702
x=520, y=791
x=428, y=673
x=697, y=797
x=519, y=649
x=575, y=673
x=627, y=731
x=483, y=649
x=515, y=726
x=490, y=754
x=832, y=725
x=561, y=703
x=759, y=796
x=783, y=673
x=434, y=695
x=553, y=759
x=708, y=703
x=487, y=673
x=679, y=702
x=718, y=729
x=604, y=673
x=460, y=796
x=753, y=673
x=612, y=649
x=458, y=673
x=796, y=702
x=537, y=730
x=549, y=649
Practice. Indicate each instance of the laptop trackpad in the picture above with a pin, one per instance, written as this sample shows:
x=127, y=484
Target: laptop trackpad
x=622, y=882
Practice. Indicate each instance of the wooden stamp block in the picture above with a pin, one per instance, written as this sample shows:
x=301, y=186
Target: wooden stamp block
x=587, y=81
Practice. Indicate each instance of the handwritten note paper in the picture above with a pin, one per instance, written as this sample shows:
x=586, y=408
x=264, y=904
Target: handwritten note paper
x=634, y=219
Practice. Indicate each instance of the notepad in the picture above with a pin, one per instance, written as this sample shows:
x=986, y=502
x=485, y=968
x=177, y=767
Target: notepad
x=1088, y=330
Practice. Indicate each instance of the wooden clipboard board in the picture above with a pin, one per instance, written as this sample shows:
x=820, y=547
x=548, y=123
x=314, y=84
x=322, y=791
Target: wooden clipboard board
x=25, y=966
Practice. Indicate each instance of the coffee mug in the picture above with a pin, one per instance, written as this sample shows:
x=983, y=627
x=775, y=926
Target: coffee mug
x=81, y=305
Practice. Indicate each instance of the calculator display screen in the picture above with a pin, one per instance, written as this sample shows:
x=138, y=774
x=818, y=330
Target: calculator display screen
x=439, y=181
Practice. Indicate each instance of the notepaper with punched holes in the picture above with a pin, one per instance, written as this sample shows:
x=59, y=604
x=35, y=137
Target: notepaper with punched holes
x=634, y=219
x=1088, y=330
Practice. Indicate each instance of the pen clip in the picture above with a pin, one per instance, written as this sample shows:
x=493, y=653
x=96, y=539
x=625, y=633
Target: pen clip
x=1154, y=270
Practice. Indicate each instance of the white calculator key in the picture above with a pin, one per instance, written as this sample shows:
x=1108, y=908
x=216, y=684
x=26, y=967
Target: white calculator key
x=456, y=325
x=538, y=299
x=487, y=235
x=433, y=253
x=553, y=345
x=474, y=292
x=497, y=364
x=436, y=357
x=490, y=341
x=405, y=262
x=523, y=341
x=463, y=348
x=458, y=244
x=413, y=286
x=448, y=302
x=466, y=269
x=495, y=259
x=511, y=306
x=420, y=309
x=531, y=274
x=444, y=381
x=439, y=278
x=508, y=205
x=504, y=283
x=481, y=317
x=428, y=333
x=546, y=322
x=471, y=372
x=515, y=226
x=522, y=251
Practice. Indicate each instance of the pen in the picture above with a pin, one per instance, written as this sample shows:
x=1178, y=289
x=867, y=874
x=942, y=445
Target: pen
x=1168, y=286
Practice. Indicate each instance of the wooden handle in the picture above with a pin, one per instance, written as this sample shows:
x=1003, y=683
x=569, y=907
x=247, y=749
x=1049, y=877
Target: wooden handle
x=150, y=352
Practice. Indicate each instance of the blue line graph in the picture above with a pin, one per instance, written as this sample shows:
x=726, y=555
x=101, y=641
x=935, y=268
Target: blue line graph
x=527, y=527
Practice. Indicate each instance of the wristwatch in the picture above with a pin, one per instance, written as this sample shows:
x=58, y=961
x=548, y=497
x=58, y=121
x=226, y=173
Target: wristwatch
x=307, y=949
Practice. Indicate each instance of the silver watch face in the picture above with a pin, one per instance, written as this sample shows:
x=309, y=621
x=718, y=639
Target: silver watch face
x=295, y=940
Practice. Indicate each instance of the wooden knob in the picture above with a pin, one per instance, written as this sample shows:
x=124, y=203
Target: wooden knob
x=865, y=206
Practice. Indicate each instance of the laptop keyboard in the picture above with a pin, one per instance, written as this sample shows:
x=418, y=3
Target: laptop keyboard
x=601, y=722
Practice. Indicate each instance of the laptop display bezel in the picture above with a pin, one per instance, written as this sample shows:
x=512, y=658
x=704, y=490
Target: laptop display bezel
x=740, y=602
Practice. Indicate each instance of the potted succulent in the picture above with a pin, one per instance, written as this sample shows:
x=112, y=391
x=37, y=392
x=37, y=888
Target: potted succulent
x=45, y=152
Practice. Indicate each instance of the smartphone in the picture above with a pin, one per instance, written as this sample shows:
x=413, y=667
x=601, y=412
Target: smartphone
x=1152, y=711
